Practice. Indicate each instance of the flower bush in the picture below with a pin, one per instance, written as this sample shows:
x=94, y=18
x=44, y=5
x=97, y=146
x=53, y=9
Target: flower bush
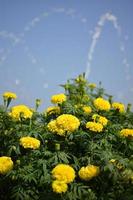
x=79, y=149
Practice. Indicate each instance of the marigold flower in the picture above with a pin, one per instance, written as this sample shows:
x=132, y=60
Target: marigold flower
x=59, y=186
x=20, y=111
x=126, y=132
x=29, y=142
x=92, y=85
x=100, y=119
x=65, y=123
x=102, y=104
x=58, y=98
x=118, y=106
x=112, y=160
x=87, y=109
x=63, y=172
x=10, y=95
x=6, y=164
x=53, y=110
x=89, y=172
x=94, y=126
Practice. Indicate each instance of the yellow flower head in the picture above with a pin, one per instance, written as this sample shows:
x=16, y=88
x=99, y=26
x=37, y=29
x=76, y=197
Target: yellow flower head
x=92, y=85
x=20, y=111
x=100, y=119
x=94, y=126
x=118, y=106
x=126, y=132
x=63, y=172
x=10, y=95
x=6, y=164
x=58, y=98
x=53, y=110
x=102, y=104
x=65, y=123
x=59, y=186
x=29, y=142
x=87, y=173
x=112, y=161
x=87, y=109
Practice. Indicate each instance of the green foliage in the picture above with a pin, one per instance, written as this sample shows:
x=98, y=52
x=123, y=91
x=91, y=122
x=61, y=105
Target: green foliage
x=31, y=177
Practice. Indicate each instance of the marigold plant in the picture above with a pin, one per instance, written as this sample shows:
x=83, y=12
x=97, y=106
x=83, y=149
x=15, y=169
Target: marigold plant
x=79, y=149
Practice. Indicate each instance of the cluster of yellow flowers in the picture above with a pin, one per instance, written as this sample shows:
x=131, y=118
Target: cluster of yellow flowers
x=118, y=106
x=6, y=164
x=58, y=98
x=9, y=95
x=87, y=109
x=126, y=132
x=88, y=172
x=29, y=142
x=102, y=104
x=100, y=119
x=53, y=110
x=20, y=111
x=65, y=123
x=94, y=126
x=63, y=174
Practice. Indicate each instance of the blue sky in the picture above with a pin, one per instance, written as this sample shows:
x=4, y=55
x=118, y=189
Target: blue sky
x=45, y=42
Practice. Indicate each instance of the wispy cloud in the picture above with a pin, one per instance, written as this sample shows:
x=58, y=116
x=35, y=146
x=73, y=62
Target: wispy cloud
x=95, y=37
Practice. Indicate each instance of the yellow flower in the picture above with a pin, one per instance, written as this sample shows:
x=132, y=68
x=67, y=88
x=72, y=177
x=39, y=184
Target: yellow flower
x=126, y=132
x=112, y=161
x=6, y=164
x=29, y=142
x=92, y=85
x=58, y=98
x=20, y=111
x=118, y=106
x=65, y=123
x=63, y=172
x=59, y=186
x=102, y=104
x=53, y=110
x=87, y=173
x=10, y=95
x=100, y=119
x=94, y=126
x=87, y=109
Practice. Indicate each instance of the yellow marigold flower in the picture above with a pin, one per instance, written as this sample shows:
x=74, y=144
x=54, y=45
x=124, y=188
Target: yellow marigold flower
x=10, y=95
x=100, y=119
x=65, y=123
x=20, y=111
x=58, y=98
x=6, y=164
x=102, y=104
x=87, y=109
x=126, y=132
x=63, y=172
x=52, y=126
x=87, y=173
x=112, y=161
x=94, y=126
x=53, y=110
x=118, y=106
x=92, y=85
x=29, y=142
x=59, y=186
